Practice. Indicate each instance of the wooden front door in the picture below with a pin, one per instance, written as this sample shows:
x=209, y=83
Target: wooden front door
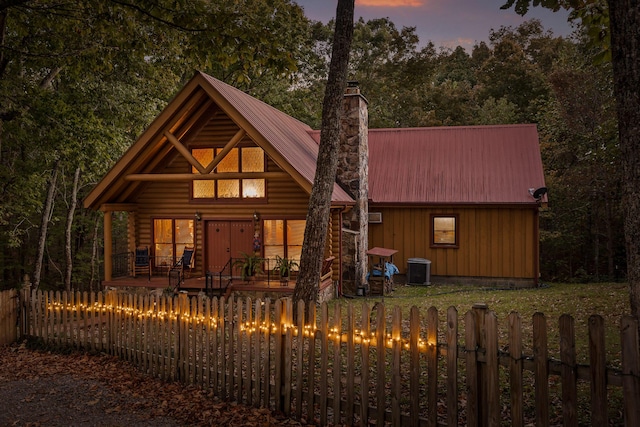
x=225, y=240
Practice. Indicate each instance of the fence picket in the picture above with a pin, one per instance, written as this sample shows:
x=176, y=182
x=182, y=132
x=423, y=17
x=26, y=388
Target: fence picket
x=598, y=371
x=241, y=344
x=249, y=352
x=158, y=338
x=58, y=320
x=300, y=310
x=287, y=355
x=267, y=354
x=141, y=331
x=414, y=378
x=207, y=350
x=146, y=334
x=337, y=362
x=94, y=321
x=569, y=380
x=279, y=356
x=36, y=314
x=381, y=336
x=224, y=346
x=49, y=316
x=432, y=366
x=232, y=343
x=311, y=365
x=396, y=348
x=492, y=371
x=257, y=353
x=471, y=366
x=452, y=366
x=630, y=370
x=129, y=344
x=162, y=321
x=515, y=369
x=351, y=366
x=64, y=316
x=257, y=339
x=324, y=361
x=102, y=324
x=364, y=378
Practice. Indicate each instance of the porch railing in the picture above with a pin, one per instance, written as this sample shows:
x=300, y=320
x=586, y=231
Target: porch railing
x=121, y=264
x=231, y=272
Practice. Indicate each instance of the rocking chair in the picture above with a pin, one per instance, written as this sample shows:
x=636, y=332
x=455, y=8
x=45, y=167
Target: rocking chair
x=183, y=266
x=142, y=262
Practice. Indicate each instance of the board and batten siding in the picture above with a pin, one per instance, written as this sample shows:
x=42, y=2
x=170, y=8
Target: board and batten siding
x=493, y=242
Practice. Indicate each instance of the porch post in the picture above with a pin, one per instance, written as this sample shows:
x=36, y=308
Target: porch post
x=108, y=245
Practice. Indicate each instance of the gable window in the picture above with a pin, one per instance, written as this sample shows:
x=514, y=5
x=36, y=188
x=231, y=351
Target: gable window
x=444, y=230
x=170, y=236
x=245, y=160
x=283, y=238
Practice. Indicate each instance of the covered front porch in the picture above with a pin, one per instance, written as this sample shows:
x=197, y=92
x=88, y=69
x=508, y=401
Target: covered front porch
x=267, y=283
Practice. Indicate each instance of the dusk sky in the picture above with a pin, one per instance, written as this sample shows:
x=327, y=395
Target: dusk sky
x=447, y=23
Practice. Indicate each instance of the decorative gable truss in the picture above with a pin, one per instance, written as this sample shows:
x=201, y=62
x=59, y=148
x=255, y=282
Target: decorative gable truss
x=204, y=171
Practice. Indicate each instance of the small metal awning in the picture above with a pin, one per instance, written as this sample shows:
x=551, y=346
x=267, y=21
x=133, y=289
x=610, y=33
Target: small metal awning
x=383, y=252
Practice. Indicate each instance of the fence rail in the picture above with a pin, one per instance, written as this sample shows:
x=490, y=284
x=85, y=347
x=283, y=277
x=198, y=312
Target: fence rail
x=337, y=370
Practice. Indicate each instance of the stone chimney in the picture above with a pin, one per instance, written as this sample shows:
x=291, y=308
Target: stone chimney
x=353, y=174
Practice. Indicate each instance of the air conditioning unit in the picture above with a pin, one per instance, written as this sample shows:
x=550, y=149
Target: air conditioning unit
x=418, y=271
x=375, y=217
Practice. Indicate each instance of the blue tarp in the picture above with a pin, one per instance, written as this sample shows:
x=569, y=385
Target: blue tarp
x=390, y=270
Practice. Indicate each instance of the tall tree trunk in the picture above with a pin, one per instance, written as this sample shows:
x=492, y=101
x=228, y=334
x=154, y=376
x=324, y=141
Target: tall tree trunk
x=44, y=225
x=67, y=237
x=94, y=252
x=624, y=23
x=315, y=232
x=610, y=239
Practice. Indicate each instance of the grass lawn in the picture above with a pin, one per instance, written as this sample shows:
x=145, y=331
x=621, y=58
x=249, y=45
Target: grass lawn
x=609, y=300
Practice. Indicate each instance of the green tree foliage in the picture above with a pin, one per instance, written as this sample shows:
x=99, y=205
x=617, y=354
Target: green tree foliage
x=618, y=23
x=582, y=235
x=408, y=86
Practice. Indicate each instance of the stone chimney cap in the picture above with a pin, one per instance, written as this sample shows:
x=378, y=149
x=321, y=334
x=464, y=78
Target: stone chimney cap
x=352, y=83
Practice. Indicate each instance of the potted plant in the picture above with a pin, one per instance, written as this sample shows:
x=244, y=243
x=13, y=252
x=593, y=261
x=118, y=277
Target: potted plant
x=249, y=265
x=285, y=266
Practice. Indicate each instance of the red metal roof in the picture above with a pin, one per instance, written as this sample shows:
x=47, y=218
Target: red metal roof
x=455, y=165
x=438, y=165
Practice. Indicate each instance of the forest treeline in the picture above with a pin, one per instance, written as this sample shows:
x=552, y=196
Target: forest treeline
x=80, y=80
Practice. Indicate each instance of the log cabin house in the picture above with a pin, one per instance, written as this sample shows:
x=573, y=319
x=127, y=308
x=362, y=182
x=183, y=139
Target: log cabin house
x=226, y=174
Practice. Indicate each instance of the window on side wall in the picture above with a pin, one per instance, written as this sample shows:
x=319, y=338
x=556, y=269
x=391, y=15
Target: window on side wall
x=444, y=230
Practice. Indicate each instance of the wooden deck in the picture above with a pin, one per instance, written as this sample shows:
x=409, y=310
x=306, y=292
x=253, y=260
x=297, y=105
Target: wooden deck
x=198, y=284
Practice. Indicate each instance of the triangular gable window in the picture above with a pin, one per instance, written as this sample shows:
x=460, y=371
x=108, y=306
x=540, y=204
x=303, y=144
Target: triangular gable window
x=232, y=177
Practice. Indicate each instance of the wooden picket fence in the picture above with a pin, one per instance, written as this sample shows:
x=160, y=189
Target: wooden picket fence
x=336, y=370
